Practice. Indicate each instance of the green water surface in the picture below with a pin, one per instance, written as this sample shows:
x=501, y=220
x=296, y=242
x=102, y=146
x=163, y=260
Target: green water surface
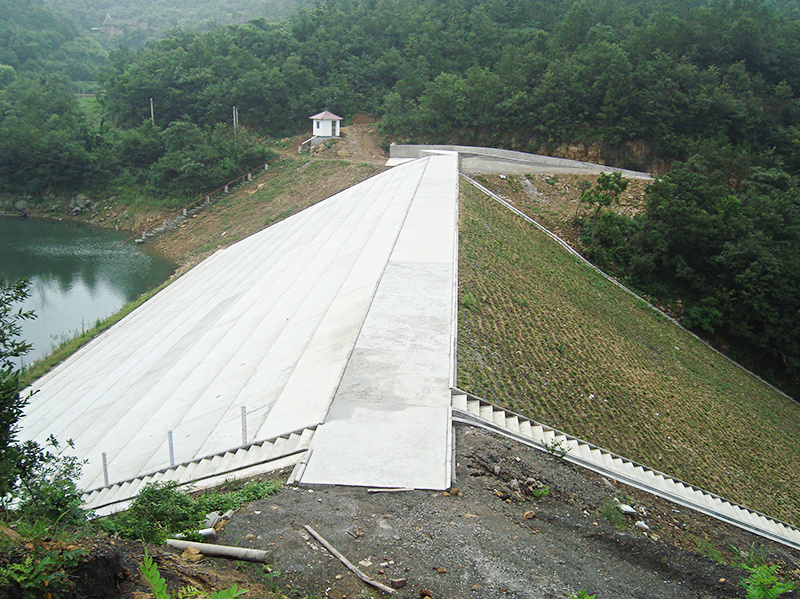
x=79, y=275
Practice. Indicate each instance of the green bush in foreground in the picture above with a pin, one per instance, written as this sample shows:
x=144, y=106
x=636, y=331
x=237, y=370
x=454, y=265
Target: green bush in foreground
x=161, y=510
x=42, y=573
x=763, y=583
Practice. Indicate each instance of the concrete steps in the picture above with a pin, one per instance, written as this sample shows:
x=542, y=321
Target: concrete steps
x=473, y=410
x=239, y=462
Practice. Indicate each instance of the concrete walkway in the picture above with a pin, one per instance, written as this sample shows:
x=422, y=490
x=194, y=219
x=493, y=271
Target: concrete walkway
x=343, y=309
x=475, y=160
x=389, y=423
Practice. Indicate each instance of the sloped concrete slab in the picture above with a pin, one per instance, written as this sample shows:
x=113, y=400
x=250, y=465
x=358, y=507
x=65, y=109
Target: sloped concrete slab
x=250, y=344
x=389, y=423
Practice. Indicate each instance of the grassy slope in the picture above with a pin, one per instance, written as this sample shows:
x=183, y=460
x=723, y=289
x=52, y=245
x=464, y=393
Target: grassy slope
x=290, y=185
x=546, y=336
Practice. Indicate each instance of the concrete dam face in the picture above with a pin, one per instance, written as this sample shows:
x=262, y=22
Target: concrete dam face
x=325, y=341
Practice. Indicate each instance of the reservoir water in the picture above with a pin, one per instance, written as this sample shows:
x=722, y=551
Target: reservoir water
x=78, y=274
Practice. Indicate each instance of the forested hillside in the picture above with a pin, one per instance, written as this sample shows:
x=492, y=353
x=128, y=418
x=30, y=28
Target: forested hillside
x=36, y=37
x=137, y=21
x=706, y=93
x=73, y=38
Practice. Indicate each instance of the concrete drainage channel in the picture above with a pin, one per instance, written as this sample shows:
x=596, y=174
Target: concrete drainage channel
x=471, y=410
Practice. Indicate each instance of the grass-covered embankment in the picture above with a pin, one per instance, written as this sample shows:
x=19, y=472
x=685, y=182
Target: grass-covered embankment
x=543, y=334
x=289, y=186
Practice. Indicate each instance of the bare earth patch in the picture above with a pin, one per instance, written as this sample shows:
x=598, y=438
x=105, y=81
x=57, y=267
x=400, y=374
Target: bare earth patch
x=490, y=537
x=554, y=200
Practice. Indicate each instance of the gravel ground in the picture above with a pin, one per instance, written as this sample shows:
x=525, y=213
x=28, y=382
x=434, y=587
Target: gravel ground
x=489, y=537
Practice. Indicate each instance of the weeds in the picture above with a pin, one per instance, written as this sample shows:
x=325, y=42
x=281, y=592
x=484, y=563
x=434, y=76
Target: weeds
x=540, y=493
x=707, y=548
x=746, y=560
x=469, y=301
x=46, y=486
x=611, y=512
x=42, y=573
x=159, y=585
x=763, y=583
x=557, y=448
x=271, y=577
x=161, y=510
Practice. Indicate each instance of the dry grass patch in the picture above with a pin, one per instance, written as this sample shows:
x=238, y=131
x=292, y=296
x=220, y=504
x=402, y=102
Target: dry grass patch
x=290, y=186
x=554, y=200
x=542, y=334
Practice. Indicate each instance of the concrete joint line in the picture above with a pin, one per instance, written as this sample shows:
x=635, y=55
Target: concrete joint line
x=374, y=293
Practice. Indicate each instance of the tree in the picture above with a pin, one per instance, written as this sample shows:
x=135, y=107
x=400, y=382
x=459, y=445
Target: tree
x=607, y=191
x=11, y=400
x=41, y=479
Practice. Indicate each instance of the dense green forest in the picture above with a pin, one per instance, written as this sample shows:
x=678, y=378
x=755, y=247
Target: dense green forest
x=72, y=38
x=706, y=93
x=163, y=14
x=36, y=38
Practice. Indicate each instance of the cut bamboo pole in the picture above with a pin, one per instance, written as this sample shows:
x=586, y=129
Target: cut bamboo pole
x=241, y=553
x=348, y=563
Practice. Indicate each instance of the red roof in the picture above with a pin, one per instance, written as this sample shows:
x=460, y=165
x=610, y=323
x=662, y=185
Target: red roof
x=326, y=116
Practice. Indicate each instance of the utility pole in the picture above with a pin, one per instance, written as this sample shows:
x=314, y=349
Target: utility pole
x=235, y=121
x=152, y=115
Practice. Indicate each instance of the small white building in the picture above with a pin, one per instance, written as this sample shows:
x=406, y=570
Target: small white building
x=325, y=124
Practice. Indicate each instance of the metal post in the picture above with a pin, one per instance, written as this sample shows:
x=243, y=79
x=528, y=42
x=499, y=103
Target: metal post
x=171, y=450
x=152, y=114
x=105, y=469
x=244, y=425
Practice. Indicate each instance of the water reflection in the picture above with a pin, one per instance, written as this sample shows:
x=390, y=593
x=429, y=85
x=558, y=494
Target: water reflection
x=78, y=275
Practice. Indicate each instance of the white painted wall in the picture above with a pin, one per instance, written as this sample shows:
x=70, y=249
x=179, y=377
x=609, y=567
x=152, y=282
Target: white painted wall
x=325, y=128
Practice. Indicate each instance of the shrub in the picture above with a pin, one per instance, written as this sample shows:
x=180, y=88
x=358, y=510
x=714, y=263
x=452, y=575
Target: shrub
x=763, y=583
x=45, y=487
x=161, y=510
x=159, y=585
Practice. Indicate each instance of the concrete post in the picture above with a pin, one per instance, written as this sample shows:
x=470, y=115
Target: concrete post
x=105, y=469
